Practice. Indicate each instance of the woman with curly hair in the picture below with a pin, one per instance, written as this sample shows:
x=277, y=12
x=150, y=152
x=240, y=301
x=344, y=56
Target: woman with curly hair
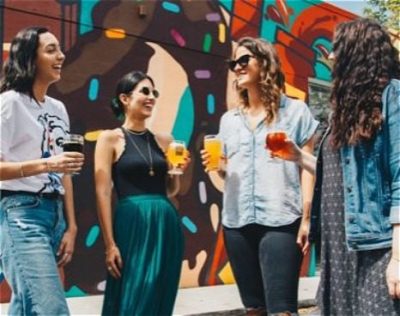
x=264, y=199
x=356, y=205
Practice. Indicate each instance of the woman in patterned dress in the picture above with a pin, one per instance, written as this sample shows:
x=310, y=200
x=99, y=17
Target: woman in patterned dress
x=356, y=204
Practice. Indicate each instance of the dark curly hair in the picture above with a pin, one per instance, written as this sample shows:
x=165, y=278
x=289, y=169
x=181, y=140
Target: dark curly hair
x=365, y=62
x=126, y=85
x=272, y=79
x=19, y=70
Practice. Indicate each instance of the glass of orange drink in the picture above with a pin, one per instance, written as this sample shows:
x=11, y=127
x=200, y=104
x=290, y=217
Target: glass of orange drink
x=213, y=146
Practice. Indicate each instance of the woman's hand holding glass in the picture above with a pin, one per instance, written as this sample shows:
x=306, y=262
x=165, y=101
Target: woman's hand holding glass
x=212, y=154
x=280, y=146
x=66, y=162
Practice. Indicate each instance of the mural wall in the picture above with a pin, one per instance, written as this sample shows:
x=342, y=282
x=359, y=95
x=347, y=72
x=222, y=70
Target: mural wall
x=183, y=45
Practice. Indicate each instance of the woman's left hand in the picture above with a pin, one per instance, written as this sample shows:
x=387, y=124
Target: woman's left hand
x=393, y=278
x=302, y=236
x=66, y=249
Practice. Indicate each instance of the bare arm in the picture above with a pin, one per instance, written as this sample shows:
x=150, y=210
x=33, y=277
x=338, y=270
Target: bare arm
x=67, y=245
x=67, y=162
x=307, y=186
x=393, y=269
x=103, y=159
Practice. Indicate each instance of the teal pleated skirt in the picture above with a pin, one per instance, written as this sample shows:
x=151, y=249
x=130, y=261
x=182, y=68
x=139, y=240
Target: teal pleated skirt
x=148, y=233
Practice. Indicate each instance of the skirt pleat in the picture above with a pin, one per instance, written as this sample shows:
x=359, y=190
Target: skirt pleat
x=148, y=234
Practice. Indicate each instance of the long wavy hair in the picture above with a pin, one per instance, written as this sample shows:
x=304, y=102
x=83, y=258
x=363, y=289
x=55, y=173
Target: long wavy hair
x=125, y=86
x=272, y=79
x=365, y=60
x=19, y=70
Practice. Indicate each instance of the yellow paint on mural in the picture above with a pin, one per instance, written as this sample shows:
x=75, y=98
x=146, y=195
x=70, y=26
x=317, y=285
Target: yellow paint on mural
x=6, y=47
x=226, y=274
x=295, y=92
x=92, y=136
x=221, y=32
x=115, y=33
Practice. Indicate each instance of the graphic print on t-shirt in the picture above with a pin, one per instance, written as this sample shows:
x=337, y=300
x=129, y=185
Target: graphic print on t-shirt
x=54, y=131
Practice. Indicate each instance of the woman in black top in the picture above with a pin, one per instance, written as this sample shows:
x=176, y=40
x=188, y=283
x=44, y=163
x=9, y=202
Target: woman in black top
x=144, y=241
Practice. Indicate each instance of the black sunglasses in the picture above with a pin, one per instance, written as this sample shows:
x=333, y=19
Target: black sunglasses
x=146, y=91
x=243, y=61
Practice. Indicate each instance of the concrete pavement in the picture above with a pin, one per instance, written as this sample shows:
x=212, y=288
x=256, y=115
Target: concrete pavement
x=205, y=301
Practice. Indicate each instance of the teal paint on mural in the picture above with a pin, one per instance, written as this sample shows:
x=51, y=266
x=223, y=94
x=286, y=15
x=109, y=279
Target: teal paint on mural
x=74, y=291
x=322, y=46
x=227, y=4
x=184, y=122
x=186, y=221
x=322, y=71
x=93, y=89
x=207, y=43
x=92, y=236
x=210, y=104
x=171, y=7
x=85, y=18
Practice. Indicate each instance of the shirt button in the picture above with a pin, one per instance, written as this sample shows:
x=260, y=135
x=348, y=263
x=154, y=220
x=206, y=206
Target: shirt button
x=347, y=161
x=349, y=189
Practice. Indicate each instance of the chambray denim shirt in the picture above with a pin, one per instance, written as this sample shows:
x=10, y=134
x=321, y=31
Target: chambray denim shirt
x=260, y=189
x=371, y=182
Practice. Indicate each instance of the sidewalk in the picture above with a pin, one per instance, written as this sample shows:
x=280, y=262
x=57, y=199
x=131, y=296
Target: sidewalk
x=207, y=300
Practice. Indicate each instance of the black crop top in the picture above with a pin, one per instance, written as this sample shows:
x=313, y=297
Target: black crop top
x=131, y=172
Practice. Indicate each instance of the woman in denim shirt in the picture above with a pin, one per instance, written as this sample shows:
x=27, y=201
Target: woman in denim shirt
x=264, y=198
x=35, y=239
x=358, y=221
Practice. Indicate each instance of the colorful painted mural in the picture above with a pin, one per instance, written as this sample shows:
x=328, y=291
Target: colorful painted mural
x=183, y=45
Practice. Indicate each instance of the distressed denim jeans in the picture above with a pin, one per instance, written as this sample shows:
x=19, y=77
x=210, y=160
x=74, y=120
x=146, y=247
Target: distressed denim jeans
x=31, y=228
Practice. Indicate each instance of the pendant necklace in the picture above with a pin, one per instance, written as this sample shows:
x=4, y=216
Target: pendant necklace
x=150, y=164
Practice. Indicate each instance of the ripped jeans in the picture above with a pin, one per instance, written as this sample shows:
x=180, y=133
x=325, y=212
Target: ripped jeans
x=31, y=228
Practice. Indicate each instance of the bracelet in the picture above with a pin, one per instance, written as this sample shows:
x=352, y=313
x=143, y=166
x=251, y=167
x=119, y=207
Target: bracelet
x=21, y=171
x=48, y=167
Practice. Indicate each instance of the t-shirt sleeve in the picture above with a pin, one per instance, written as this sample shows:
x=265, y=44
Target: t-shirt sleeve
x=307, y=125
x=6, y=126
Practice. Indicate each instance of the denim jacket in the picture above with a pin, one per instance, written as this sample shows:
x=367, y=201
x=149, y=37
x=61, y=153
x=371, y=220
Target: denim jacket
x=371, y=182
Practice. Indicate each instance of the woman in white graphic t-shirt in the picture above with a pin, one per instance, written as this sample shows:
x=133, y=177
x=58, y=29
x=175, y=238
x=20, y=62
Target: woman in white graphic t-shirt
x=35, y=183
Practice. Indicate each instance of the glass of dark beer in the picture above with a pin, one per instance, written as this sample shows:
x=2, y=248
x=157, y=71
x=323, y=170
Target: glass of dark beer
x=73, y=142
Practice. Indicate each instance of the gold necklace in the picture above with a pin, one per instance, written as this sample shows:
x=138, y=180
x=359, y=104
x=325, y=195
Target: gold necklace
x=151, y=170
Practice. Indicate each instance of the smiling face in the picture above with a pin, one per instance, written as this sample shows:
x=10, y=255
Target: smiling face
x=141, y=100
x=246, y=75
x=49, y=59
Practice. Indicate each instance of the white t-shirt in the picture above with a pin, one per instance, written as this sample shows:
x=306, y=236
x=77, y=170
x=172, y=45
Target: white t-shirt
x=30, y=131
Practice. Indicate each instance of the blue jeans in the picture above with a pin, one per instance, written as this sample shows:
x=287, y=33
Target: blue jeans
x=266, y=264
x=31, y=228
